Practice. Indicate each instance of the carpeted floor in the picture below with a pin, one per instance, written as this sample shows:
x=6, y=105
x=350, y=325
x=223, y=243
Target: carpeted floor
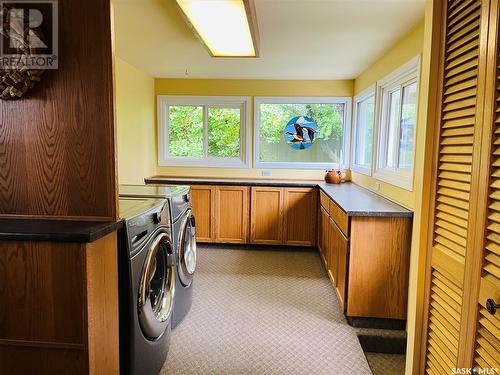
x=263, y=312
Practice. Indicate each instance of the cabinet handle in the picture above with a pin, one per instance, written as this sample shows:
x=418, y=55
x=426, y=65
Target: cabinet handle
x=491, y=306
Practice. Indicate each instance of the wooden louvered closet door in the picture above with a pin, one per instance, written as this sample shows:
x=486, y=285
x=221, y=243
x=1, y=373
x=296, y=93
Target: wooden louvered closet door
x=455, y=181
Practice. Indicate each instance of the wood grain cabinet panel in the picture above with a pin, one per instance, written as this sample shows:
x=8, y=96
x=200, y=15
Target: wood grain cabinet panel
x=61, y=307
x=203, y=201
x=266, y=215
x=324, y=233
x=339, y=262
x=300, y=216
x=379, y=265
x=232, y=214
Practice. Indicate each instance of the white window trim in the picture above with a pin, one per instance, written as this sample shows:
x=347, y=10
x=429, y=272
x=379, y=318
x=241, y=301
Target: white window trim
x=164, y=101
x=405, y=74
x=362, y=96
x=258, y=100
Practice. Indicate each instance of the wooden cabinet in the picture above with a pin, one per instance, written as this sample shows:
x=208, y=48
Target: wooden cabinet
x=339, y=258
x=300, y=216
x=60, y=310
x=367, y=260
x=203, y=200
x=324, y=233
x=232, y=214
x=266, y=215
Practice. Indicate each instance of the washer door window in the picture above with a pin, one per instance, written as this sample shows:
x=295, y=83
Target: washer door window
x=156, y=289
x=187, y=249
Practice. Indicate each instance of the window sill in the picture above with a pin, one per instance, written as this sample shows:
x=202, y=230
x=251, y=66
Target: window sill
x=203, y=163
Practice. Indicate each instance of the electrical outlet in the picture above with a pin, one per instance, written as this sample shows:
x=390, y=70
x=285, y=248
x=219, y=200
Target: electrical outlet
x=376, y=186
x=266, y=173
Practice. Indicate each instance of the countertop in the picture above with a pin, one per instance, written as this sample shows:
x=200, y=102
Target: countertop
x=55, y=230
x=353, y=199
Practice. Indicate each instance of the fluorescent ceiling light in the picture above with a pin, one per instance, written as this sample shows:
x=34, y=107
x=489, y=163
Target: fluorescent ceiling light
x=224, y=26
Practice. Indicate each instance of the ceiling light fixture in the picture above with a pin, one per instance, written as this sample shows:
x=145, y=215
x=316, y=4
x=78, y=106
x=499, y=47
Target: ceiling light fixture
x=227, y=28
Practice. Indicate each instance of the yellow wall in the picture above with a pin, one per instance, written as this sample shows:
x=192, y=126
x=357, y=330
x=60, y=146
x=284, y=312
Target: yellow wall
x=404, y=50
x=248, y=88
x=135, y=109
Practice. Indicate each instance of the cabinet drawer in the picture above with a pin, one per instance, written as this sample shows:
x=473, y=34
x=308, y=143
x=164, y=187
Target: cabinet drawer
x=324, y=200
x=339, y=217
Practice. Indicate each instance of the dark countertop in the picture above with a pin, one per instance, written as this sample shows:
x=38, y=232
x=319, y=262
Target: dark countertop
x=55, y=230
x=353, y=199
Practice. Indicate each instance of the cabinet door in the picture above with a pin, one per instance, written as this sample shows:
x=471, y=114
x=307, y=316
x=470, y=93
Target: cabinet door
x=232, y=213
x=324, y=234
x=203, y=200
x=266, y=217
x=339, y=261
x=300, y=216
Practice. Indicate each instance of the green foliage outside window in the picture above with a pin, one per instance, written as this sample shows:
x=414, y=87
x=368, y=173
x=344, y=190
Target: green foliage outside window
x=185, y=131
x=224, y=132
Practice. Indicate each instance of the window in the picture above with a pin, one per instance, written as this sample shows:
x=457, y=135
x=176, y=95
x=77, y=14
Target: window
x=397, y=114
x=203, y=131
x=331, y=138
x=364, y=118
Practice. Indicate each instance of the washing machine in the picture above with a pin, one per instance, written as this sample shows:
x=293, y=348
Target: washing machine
x=147, y=280
x=183, y=235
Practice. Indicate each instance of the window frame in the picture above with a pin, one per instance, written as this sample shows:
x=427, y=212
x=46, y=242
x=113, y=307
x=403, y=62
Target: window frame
x=403, y=76
x=258, y=100
x=361, y=97
x=166, y=101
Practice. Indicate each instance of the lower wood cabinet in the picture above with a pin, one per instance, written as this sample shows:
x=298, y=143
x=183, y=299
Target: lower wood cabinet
x=300, y=216
x=263, y=215
x=203, y=201
x=232, y=214
x=339, y=249
x=367, y=260
x=59, y=310
x=266, y=215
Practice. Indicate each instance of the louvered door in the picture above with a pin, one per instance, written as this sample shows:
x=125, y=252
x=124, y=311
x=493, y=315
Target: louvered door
x=487, y=336
x=459, y=133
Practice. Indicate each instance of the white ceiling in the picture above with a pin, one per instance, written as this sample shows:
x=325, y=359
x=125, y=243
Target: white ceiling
x=300, y=39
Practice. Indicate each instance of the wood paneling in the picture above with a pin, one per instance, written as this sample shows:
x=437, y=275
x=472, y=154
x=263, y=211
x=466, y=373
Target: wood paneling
x=203, y=200
x=102, y=305
x=57, y=151
x=232, y=214
x=300, y=216
x=266, y=217
x=41, y=290
x=379, y=265
x=61, y=310
x=43, y=361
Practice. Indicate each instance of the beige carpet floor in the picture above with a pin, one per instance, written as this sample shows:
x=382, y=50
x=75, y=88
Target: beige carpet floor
x=263, y=312
x=386, y=364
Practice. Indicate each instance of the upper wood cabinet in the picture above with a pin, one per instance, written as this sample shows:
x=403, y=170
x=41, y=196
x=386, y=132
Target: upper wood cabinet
x=300, y=216
x=203, y=200
x=266, y=217
x=232, y=214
